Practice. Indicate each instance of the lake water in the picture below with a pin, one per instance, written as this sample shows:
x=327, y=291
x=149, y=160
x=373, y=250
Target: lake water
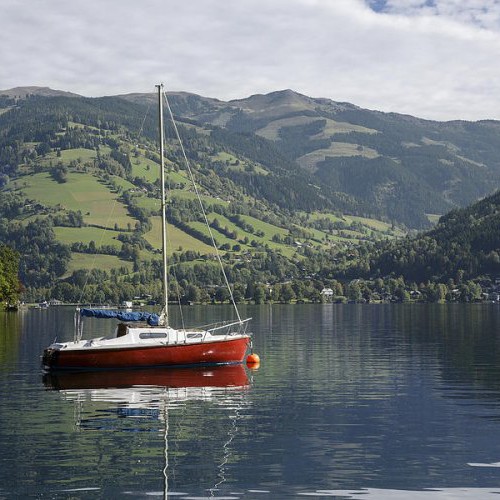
x=350, y=401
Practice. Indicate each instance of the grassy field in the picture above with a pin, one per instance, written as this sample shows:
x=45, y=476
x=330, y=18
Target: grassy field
x=235, y=163
x=81, y=192
x=433, y=218
x=376, y=228
x=69, y=235
x=332, y=127
x=173, y=177
x=317, y=235
x=271, y=130
x=123, y=183
x=81, y=125
x=150, y=204
x=377, y=225
x=220, y=238
x=321, y=215
x=180, y=239
x=176, y=239
x=310, y=160
x=145, y=168
x=225, y=222
x=68, y=155
x=323, y=237
x=96, y=261
x=225, y=157
x=149, y=170
x=269, y=230
x=153, y=204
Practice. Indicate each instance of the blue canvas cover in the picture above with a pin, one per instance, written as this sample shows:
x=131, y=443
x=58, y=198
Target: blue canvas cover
x=151, y=318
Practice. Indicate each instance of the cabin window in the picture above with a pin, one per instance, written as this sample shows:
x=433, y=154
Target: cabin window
x=194, y=335
x=153, y=335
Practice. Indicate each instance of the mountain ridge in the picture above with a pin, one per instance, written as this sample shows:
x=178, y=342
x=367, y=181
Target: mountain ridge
x=23, y=92
x=276, y=218
x=45, y=91
x=395, y=167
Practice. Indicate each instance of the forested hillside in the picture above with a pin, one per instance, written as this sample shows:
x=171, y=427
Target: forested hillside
x=465, y=243
x=461, y=255
x=290, y=185
x=79, y=202
x=384, y=165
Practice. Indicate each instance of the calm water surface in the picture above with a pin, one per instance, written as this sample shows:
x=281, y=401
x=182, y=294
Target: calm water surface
x=353, y=402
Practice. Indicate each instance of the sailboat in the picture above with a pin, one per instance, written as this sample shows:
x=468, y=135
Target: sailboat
x=145, y=339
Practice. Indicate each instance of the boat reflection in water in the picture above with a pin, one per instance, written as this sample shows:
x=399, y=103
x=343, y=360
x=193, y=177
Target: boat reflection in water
x=149, y=395
x=230, y=376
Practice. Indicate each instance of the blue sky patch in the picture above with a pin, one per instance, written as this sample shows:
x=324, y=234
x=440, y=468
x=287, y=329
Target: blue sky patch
x=381, y=5
x=377, y=5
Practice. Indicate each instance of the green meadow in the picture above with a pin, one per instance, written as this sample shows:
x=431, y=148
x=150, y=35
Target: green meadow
x=68, y=155
x=177, y=239
x=96, y=261
x=83, y=193
x=220, y=239
x=177, y=178
x=100, y=237
x=123, y=183
x=148, y=203
x=269, y=230
x=374, y=226
x=224, y=222
x=336, y=149
x=329, y=216
x=317, y=235
x=433, y=218
x=235, y=163
x=145, y=168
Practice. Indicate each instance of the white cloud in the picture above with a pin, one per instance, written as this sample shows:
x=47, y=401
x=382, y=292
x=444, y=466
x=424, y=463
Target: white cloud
x=435, y=61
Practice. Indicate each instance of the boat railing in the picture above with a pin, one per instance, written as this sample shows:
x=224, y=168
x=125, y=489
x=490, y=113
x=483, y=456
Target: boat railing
x=227, y=328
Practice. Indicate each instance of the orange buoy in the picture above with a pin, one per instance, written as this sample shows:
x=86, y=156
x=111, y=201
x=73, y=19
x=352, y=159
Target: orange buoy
x=253, y=360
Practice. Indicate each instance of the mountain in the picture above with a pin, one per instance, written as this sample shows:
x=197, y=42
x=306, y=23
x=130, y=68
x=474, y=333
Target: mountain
x=79, y=192
x=464, y=245
x=315, y=153
x=24, y=92
x=293, y=187
x=386, y=165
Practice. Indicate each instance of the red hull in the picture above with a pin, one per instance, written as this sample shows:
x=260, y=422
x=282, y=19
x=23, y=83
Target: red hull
x=206, y=353
x=216, y=376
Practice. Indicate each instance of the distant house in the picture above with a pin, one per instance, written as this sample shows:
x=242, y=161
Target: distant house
x=327, y=292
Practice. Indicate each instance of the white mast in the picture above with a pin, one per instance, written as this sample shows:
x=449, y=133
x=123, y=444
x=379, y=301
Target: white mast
x=164, y=313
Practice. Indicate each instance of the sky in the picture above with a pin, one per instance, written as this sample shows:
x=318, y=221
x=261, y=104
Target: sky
x=434, y=59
